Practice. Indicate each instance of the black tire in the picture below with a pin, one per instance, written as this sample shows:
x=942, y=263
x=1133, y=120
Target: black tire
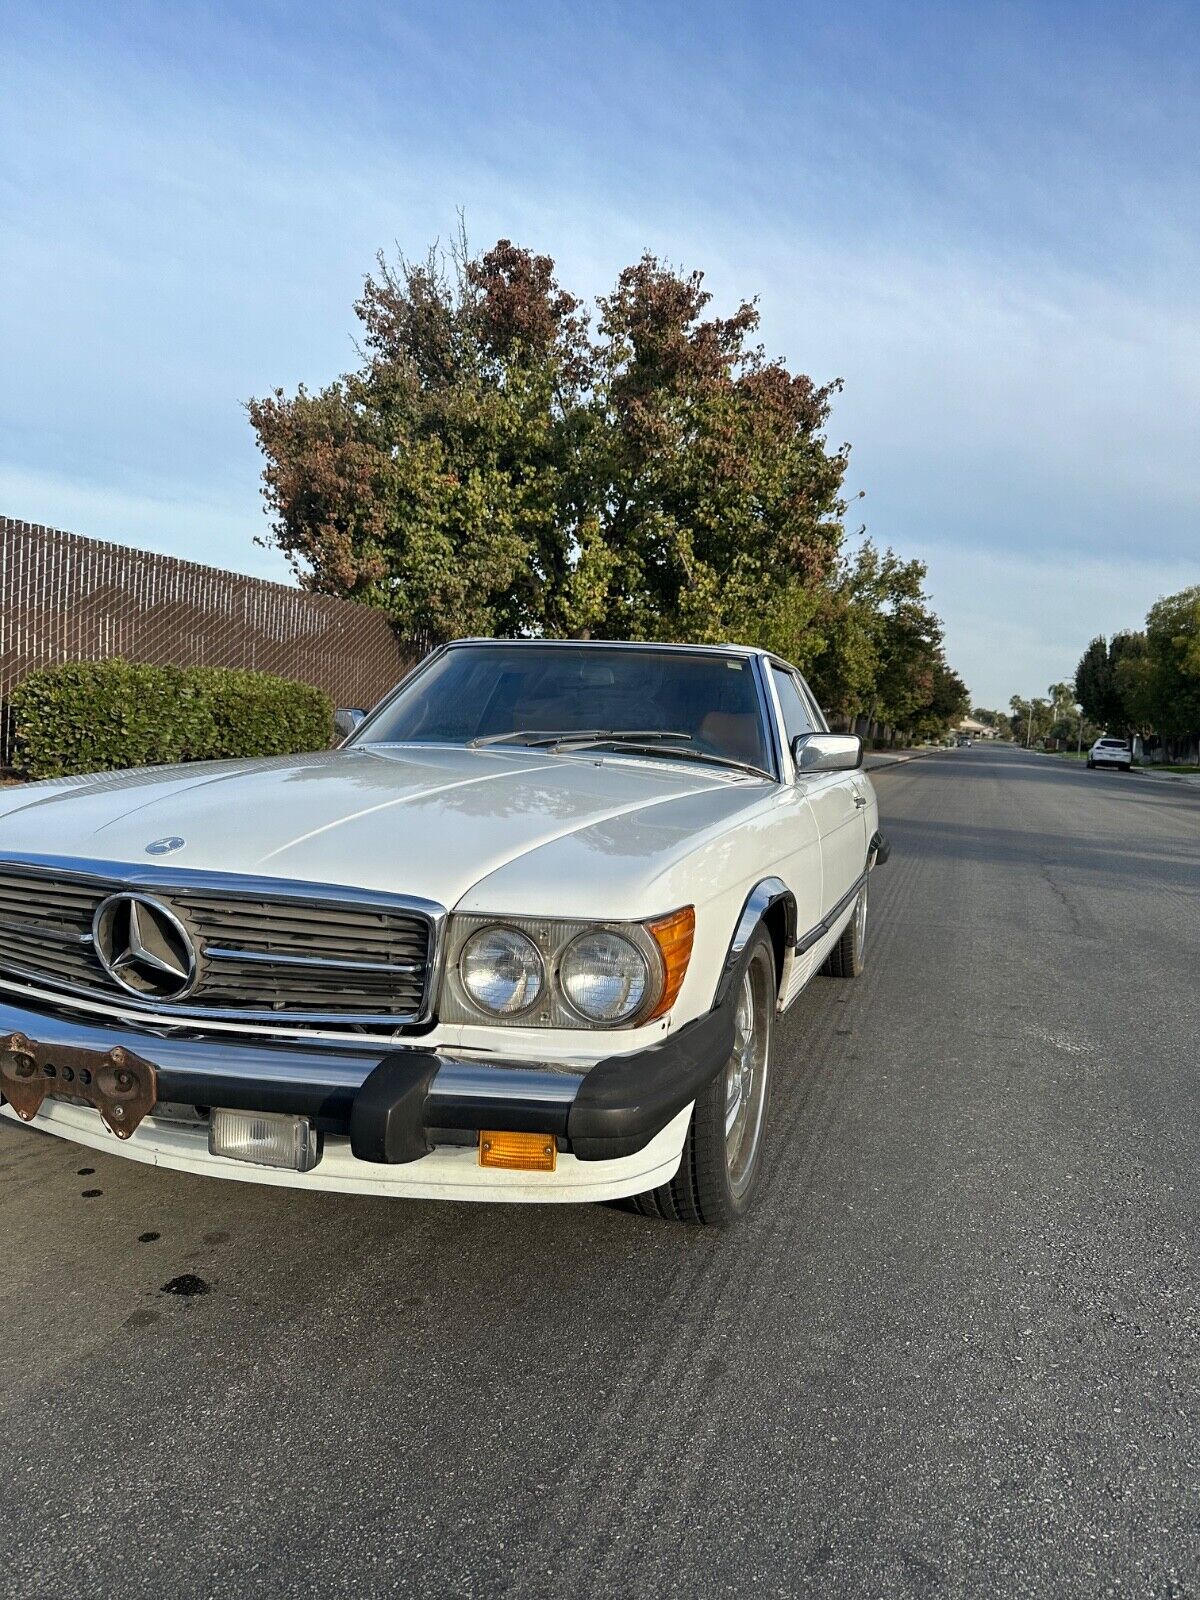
x=1090, y=763
x=847, y=958
x=713, y=1187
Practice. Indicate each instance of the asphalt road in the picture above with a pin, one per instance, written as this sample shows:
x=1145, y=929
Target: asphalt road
x=953, y=1352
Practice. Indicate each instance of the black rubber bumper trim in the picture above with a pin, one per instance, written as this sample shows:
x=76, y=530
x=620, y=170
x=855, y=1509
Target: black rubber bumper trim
x=881, y=848
x=625, y=1100
x=391, y=1104
x=412, y=1092
x=330, y=1105
x=617, y=1108
x=388, y=1120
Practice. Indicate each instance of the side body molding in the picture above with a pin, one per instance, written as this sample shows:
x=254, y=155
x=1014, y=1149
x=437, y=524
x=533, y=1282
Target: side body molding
x=765, y=894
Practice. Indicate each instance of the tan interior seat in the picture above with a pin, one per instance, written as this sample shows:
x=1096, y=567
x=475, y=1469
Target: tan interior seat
x=734, y=734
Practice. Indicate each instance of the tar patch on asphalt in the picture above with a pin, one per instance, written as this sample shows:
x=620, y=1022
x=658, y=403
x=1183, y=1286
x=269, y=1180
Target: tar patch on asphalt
x=186, y=1284
x=142, y=1318
x=149, y=1237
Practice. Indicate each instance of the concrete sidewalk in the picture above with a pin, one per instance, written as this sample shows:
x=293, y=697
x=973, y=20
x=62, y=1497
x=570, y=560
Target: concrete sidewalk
x=1165, y=775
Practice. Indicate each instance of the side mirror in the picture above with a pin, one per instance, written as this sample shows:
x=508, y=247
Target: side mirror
x=345, y=720
x=827, y=752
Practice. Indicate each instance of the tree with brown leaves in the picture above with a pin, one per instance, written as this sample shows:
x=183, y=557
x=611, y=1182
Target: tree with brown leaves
x=491, y=467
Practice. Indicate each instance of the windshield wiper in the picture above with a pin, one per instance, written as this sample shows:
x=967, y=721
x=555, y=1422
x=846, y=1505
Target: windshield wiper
x=643, y=746
x=645, y=741
x=541, y=740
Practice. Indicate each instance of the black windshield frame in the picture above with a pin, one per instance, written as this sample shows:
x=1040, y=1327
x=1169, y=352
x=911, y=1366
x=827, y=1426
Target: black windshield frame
x=368, y=731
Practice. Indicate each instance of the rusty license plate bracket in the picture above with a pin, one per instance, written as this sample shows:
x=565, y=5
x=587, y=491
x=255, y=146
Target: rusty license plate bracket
x=119, y=1084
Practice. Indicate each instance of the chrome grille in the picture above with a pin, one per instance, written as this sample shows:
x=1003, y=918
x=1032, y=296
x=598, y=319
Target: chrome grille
x=268, y=950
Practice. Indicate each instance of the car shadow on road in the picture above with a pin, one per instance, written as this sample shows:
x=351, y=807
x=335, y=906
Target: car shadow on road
x=1177, y=862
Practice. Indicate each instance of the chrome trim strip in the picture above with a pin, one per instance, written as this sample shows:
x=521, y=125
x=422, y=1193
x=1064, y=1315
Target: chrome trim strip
x=784, y=771
x=272, y=959
x=214, y=1024
x=119, y=1003
x=44, y=931
x=761, y=897
x=815, y=935
x=378, y=709
x=764, y=895
x=180, y=882
x=190, y=880
x=822, y=725
x=310, y=1068
x=462, y=1080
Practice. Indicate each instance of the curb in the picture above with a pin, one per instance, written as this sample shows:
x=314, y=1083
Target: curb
x=1192, y=778
x=898, y=760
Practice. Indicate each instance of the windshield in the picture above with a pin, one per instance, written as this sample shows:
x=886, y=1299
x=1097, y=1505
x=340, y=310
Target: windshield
x=703, y=704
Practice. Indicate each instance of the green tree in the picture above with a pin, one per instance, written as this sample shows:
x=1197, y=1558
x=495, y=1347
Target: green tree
x=1002, y=721
x=491, y=468
x=1111, y=682
x=1032, y=720
x=880, y=651
x=946, y=703
x=1171, y=680
x=1094, y=688
x=504, y=460
x=431, y=481
x=864, y=588
x=719, y=498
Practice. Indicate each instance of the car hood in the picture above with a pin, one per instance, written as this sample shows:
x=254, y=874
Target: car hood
x=421, y=820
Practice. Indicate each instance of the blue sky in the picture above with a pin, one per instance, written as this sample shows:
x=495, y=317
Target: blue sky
x=982, y=218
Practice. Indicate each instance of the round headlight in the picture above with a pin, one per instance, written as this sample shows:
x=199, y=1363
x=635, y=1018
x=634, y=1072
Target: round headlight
x=604, y=976
x=501, y=970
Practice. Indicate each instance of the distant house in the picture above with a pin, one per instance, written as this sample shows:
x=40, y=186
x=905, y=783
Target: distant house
x=971, y=729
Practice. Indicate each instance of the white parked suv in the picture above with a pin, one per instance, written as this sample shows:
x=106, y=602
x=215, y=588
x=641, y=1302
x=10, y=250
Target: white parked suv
x=1108, y=752
x=522, y=937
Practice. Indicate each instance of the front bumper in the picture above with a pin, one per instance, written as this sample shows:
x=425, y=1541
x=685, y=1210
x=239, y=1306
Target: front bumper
x=393, y=1103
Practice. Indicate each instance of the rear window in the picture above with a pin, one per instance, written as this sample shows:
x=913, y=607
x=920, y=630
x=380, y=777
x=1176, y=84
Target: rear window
x=1114, y=744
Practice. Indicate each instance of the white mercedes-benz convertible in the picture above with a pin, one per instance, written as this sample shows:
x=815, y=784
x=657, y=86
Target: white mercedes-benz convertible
x=522, y=937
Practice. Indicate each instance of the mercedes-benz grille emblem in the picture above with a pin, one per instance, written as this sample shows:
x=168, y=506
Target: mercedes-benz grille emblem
x=164, y=847
x=144, y=947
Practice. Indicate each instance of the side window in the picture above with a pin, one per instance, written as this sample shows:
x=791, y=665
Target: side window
x=796, y=716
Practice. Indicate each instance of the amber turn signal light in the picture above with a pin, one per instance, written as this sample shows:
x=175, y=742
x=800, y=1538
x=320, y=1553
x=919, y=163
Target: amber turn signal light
x=673, y=935
x=520, y=1152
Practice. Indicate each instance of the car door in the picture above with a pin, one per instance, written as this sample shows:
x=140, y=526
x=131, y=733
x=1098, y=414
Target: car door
x=838, y=799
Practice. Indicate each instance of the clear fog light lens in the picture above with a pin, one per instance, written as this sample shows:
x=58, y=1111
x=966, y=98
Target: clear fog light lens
x=501, y=970
x=264, y=1137
x=604, y=977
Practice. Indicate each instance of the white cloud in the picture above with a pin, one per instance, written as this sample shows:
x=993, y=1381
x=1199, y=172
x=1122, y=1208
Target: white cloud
x=182, y=232
x=1017, y=622
x=191, y=525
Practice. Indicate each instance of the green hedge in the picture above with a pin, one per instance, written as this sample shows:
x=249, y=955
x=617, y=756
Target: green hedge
x=92, y=716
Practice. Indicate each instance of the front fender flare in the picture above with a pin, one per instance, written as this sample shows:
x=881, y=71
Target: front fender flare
x=765, y=894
